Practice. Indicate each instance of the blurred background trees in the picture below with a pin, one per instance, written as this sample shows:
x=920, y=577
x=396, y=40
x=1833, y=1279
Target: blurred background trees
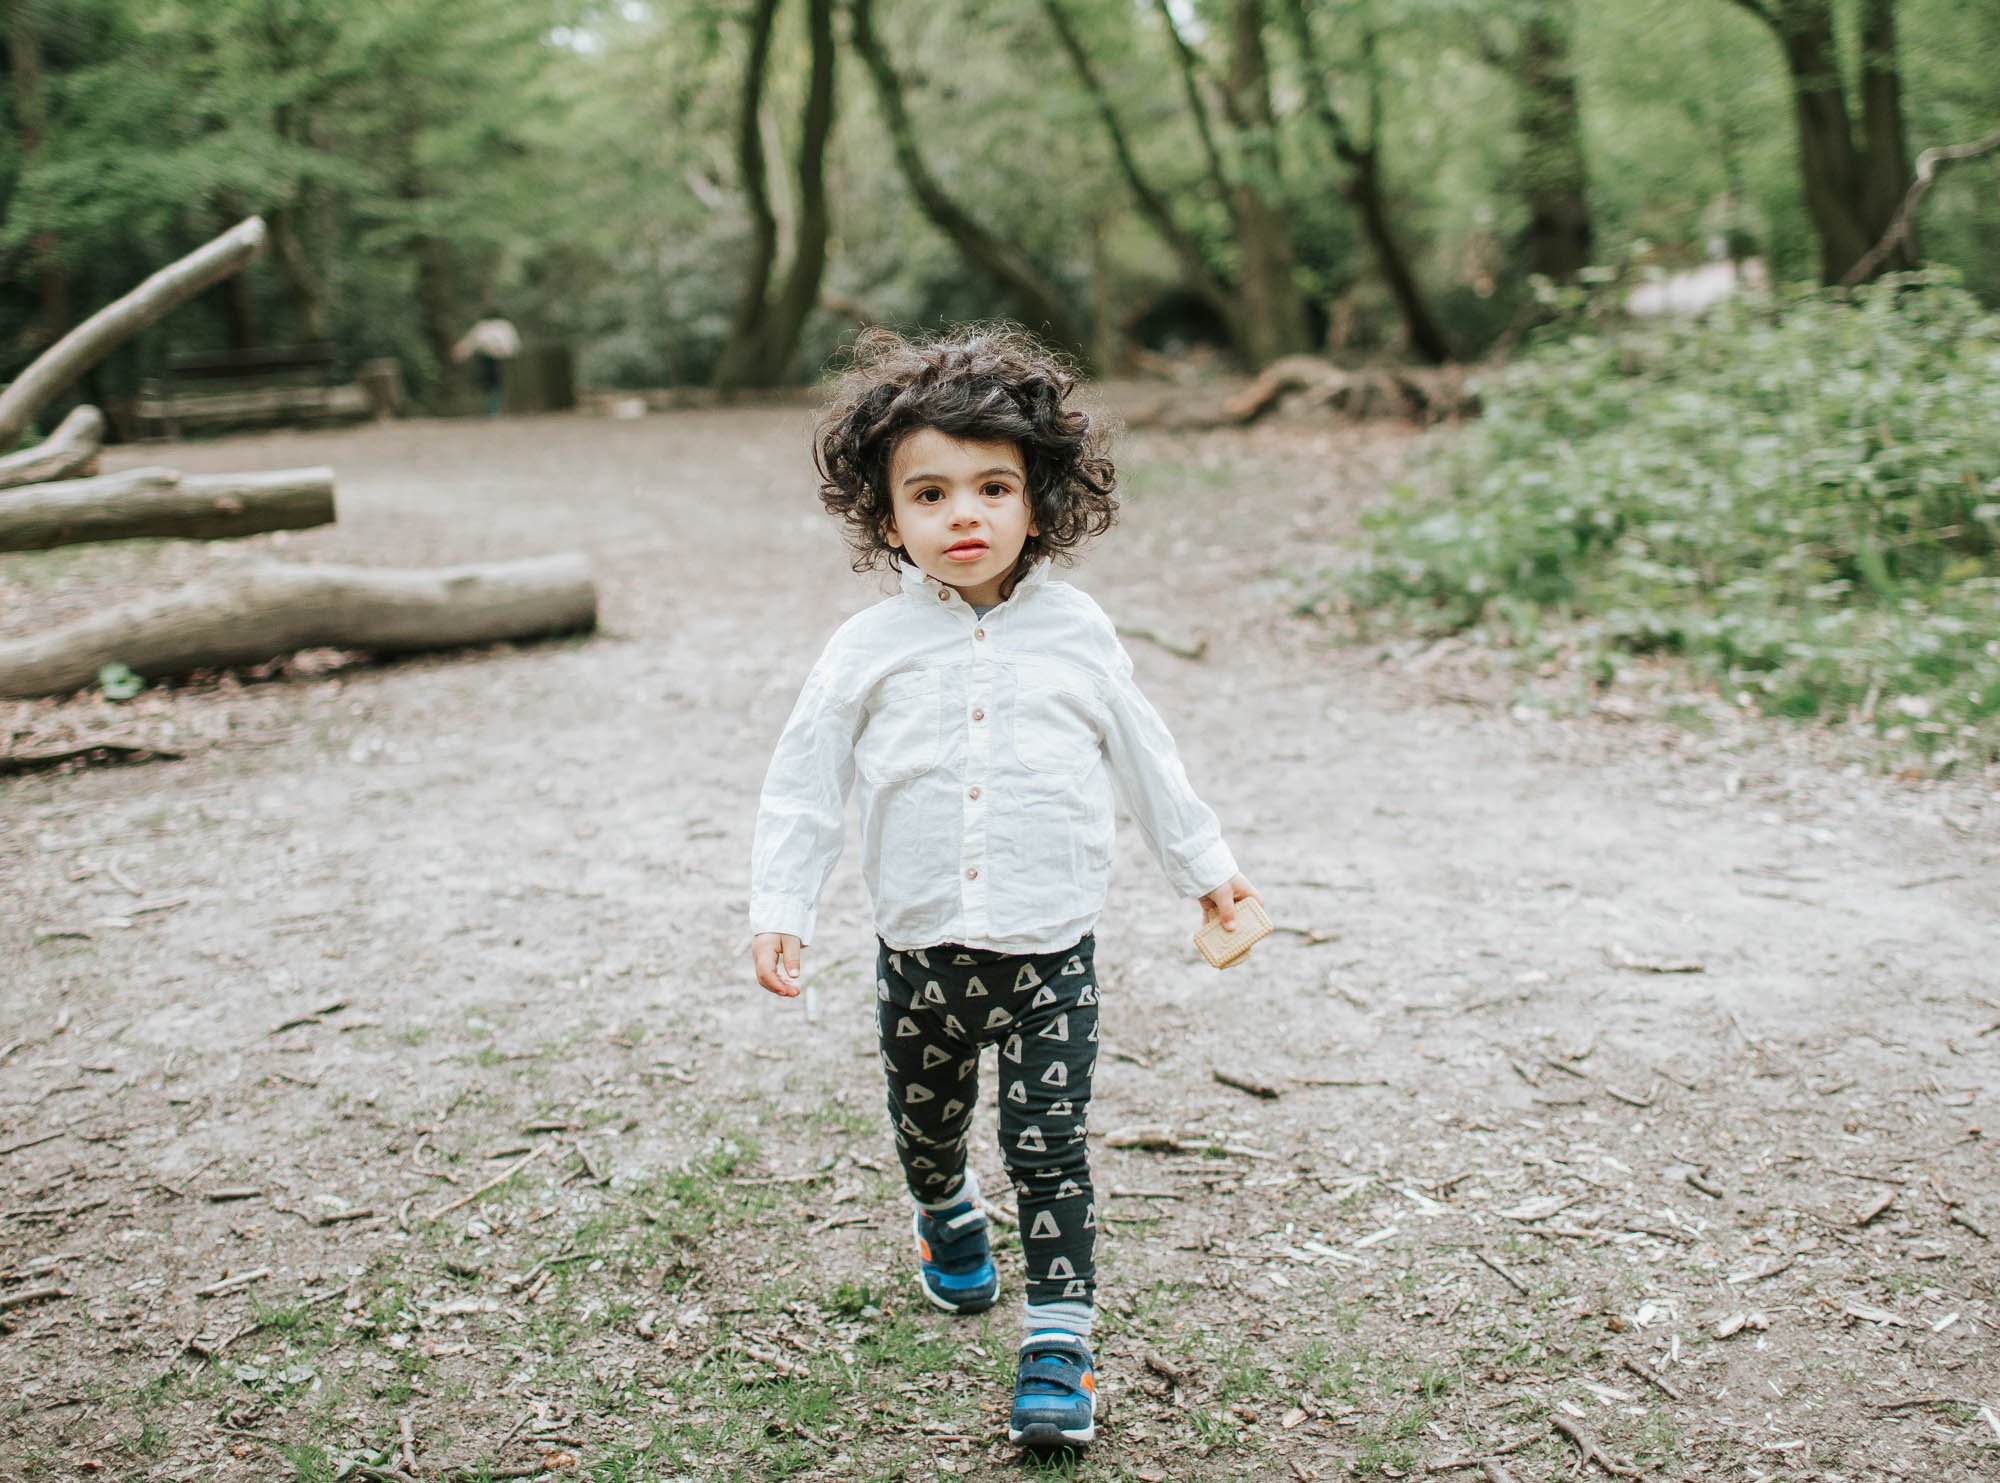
x=717, y=191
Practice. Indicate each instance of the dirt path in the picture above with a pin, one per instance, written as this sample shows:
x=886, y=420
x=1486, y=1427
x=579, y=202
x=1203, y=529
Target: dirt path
x=391, y=930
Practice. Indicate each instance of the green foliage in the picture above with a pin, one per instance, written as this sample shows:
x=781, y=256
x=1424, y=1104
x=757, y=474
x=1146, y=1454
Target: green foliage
x=573, y=163
x=1800, y=495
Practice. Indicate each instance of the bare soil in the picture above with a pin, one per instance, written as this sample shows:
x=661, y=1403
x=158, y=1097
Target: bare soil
x=1635, y=1083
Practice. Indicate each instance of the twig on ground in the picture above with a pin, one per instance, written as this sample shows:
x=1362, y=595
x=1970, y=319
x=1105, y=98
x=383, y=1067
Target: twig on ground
x=1634, y=1367
x=1617, y=957
x=29, y=1295
x=114, y=867
x=1957, y=1216
x=1695, y=1181
x=1508, y=1277
x=1165, y=1140
x=1342, y=1081
x=1587, y=1445
x=1930, y=880
x=492, y=1184
x=409, y=1443
x=1629, y=1099
x=1876, y=1206
x=1165, y=1368
x=232, y=1284
x=1245, y=1084
x=1180, y=648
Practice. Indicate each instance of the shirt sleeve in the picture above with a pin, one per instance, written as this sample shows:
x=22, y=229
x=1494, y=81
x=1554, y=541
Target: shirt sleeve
x=1185, y=835
x=801, y=815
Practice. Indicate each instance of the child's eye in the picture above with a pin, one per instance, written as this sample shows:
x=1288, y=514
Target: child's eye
x=998, y=491
x=929, y=496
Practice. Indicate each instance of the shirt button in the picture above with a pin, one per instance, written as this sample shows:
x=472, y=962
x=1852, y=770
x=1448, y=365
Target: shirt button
x=972, y=872
x=972, y=793
x=944, y=594
x=977, y=714
x=979, y=633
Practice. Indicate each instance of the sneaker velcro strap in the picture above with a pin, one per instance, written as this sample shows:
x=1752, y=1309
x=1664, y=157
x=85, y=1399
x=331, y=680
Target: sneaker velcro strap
x=973, y=1220
x=1064, y=1375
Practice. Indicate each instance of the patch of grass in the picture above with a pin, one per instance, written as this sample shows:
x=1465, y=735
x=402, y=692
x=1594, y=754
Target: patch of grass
x=834, y=1115
x=310, y=1462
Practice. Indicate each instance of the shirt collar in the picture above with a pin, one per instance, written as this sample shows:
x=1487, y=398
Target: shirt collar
x=916, y=582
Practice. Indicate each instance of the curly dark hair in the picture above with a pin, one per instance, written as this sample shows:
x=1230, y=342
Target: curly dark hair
x=983, y=383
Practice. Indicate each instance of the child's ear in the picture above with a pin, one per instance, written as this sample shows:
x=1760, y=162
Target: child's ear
x=889, y=533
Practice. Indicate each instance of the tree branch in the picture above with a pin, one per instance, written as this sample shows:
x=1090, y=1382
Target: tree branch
x=741, y=353
x=1317, y=92
x=1929, y=164
x=111, y=326
x=1005, y=263
x=1194, y=264
x=1190, y=66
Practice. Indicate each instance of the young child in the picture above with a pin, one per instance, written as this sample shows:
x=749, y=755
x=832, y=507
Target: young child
x=986, y=713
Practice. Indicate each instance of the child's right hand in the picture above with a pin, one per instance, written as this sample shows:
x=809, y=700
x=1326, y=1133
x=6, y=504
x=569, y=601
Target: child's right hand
x=776, y=955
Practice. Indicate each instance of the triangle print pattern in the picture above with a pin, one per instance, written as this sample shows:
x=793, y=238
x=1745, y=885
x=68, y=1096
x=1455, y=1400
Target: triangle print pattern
x=938, y=1009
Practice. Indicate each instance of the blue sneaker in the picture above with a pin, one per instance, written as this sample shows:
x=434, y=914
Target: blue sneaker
x=954, y=1259
x=1055, y=1393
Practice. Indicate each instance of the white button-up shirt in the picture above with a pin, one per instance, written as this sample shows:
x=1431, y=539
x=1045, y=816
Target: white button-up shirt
x=985, y=751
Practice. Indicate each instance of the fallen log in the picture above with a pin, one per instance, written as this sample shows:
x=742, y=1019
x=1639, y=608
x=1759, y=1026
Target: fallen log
x=266, y=611
x=65, y=453
x=163, y=503
x=111, y=326
x=1424, y=394
x=255, y=404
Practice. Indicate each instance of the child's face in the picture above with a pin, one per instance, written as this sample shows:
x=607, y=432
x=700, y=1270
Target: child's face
x=959, y=510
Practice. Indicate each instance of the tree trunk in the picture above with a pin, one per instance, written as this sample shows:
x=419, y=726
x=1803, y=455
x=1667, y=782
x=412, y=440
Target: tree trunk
x=1274, y=311
x=250, y=616
x=288, y=256
x=1189, y=68
x=439, y=317
x=1852, y=189
x=161, y=503
x=1041, y=307
x=24, y=61
x=741, y=353
x=800, y=292
x=1885, y=151
x=1557, y=241
x=1427, y=337
x=1197, y=272
x=1363, y=187
x=64, y=454
x=116, y=323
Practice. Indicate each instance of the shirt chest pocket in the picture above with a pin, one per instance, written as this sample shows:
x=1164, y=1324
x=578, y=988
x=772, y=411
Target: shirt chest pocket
x=1055, y=722
x=900, y=738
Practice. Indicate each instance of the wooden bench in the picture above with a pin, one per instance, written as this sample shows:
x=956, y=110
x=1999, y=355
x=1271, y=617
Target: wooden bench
x=282, y=383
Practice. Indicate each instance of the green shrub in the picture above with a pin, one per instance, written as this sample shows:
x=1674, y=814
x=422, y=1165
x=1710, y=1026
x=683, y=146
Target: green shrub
x=1800, y=495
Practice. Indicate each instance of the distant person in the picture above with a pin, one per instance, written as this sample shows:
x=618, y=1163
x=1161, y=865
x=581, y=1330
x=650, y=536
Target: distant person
x=987, y=713
x=488, y=344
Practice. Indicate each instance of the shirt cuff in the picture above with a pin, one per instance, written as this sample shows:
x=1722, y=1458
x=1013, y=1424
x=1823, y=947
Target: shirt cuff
x=789, y=914
x=1212, y=868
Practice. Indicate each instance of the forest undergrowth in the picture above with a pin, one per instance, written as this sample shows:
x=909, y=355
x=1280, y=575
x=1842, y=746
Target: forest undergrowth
x=1799, y=496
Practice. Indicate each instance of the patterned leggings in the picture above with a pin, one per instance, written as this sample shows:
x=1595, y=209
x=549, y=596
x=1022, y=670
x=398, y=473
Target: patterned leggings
x=935, y=1009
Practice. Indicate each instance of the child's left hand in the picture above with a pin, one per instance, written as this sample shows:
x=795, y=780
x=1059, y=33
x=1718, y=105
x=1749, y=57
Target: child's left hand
x=1221, y=902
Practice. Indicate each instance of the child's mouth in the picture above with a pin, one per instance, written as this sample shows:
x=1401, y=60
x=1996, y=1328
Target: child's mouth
x=966, y=551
